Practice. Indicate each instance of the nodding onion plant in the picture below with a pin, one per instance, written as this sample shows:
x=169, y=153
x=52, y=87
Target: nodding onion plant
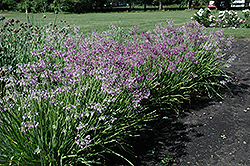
x=73, y=97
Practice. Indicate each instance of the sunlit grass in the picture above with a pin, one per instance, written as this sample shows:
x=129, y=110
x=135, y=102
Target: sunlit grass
x=102, y=21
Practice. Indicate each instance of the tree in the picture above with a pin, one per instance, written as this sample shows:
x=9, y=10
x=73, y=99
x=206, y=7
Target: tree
x=188, y=3
x=218, y=4
x=8, y=4
x=160, y=4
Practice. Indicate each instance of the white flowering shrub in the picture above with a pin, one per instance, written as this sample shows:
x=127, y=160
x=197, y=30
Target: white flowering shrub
x=229, y=19
x=246, y=14
x=204, y=17
x=224, y=19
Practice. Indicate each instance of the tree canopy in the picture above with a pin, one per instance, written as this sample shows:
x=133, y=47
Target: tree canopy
x=82, y=6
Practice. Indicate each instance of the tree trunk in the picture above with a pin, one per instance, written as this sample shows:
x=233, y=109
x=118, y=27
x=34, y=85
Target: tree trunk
x=160, y=5
x=145, y=5
x=227, y=5
x=189, y=4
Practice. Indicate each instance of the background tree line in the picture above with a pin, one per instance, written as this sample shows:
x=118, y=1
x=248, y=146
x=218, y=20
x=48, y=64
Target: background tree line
x=83, y=6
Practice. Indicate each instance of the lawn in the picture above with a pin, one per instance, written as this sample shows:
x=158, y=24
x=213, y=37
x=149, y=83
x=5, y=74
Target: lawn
x=102, y=21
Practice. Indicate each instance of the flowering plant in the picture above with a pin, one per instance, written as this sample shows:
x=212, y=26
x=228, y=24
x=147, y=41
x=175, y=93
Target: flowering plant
x=204, y=17
x=246, y=14
x=229, y=19
x=80, y=96
x=224, y=19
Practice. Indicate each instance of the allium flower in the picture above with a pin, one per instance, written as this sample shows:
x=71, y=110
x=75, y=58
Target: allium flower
x=81, y=126
x=16, y=30
x=231, y=59
x=37, y=151
x=82, y=142
x=2, y=18
x=5, y=24
x=28, y=125
x=63, y=131
x=223, y=82
x=16, y=20
x=10, y=20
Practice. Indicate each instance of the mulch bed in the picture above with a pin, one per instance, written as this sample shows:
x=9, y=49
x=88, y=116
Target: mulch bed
x=210, y=131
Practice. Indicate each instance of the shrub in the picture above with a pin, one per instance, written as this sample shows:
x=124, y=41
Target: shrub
x=246, y=14
x=224, y=19
x=204, y=17
x=229, y=19
x=8, y=4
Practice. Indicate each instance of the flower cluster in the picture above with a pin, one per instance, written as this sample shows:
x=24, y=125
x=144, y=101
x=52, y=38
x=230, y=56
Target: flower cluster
x=82, y=142
x=21, y=38
x=246, y=14
x=28, y=123
x=223, y=19
x=204, y=17
x=229, y=19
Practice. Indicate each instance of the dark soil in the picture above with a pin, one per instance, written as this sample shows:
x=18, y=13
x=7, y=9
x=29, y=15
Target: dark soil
x=212, y=132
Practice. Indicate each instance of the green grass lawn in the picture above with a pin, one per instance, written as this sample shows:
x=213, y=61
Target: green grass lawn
x=102, y=21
